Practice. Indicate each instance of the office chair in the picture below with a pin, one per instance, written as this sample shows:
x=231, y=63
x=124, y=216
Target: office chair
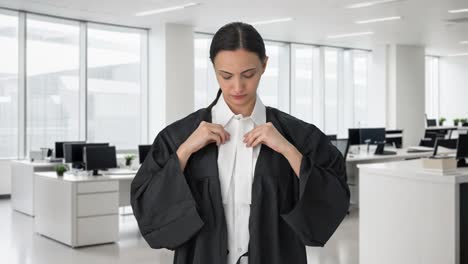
x=446, y=143
x=430, y=139
x=342, y=144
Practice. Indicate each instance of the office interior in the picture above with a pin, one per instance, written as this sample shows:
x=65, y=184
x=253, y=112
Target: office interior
x=85, y=86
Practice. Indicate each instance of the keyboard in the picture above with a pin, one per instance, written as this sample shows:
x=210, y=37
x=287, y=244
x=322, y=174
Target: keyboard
x=119, y=172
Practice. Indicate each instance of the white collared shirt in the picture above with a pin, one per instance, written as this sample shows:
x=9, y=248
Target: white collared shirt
x=236, y=165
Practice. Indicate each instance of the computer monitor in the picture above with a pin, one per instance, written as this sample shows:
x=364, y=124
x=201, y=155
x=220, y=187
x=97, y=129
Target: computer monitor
x=73, y=152
x=446, y=143
x=431, y=122
x=373, y=135
x=59, y=147
x=99, y=158
x=143, y=151
x=359, y=136
x=462, y=150
x=354, y=136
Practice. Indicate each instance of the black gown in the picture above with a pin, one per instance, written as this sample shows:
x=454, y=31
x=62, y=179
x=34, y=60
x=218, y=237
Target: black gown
x=183, y=211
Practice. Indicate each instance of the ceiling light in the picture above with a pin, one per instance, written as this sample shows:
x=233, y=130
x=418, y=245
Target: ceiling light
x=458, y=10
x=272, y=21
x=350, y=35
x=378, y=20
x=371, y=3
x=464, y=42
x=458, y=54
x=163, y=10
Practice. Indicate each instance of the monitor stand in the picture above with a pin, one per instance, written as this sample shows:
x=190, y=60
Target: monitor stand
x=380, y=150
x=462, y=163
x=96, y=173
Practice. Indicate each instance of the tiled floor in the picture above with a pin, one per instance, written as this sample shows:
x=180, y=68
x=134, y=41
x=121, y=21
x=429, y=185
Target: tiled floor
x=20, y=245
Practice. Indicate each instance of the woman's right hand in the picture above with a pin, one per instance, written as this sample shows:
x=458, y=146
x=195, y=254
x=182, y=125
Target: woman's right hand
x=205, y=134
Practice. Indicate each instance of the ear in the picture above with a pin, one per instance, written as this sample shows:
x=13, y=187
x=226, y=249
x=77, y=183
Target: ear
x=264, y=64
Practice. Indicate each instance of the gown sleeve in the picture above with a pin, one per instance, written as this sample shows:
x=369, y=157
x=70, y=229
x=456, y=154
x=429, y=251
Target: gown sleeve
x=323, y=194
x=161, y=199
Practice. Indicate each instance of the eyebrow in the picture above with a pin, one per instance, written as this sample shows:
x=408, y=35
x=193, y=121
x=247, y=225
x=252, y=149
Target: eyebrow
x=241, y=72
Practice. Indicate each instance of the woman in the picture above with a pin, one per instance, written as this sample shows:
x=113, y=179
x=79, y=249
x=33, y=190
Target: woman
x=238, y=182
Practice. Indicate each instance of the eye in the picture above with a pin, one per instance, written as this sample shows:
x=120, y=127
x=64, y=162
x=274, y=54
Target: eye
x=248, y=76
x=226, y=77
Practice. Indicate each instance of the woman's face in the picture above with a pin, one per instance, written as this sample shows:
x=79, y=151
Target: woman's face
x=238, y=73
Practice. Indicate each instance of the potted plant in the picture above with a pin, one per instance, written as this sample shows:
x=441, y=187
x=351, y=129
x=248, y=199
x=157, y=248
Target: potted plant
x=441, y=121
x=128, y=159
x=456, y=121
x=463, y=121
x=61, y=169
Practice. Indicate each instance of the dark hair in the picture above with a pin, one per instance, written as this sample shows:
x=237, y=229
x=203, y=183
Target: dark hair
x=237, y=35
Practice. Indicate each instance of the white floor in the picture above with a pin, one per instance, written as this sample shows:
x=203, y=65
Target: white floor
x=20, y=245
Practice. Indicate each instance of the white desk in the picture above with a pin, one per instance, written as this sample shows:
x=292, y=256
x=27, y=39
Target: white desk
x=411, y=215
x=363, y=157
x=22, y=183
x=80, y=210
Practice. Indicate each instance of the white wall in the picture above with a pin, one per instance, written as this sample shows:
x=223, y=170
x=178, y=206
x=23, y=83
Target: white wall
x=5, y=177
x=406, y=91
x=453, y=90
x=171, y=75
x=376, y=91
x=180, y=67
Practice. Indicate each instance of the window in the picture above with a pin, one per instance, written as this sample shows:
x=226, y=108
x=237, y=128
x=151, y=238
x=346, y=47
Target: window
x=360, y=76
x=52, y=65
x=274, y=85
x=331, y=90
x=306, y=92
x=432, y=87
x=206, y=85
x=115, y=93
x=8, y=85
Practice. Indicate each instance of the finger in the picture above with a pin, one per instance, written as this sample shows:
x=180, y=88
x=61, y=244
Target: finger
x=254, y=130
x=253, y=137
x=217, y=129
x=257, y=141
x=217, y=138
x=250, y=136
x=227, y=136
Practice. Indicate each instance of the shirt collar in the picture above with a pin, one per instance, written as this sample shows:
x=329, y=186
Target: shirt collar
x=222, y=113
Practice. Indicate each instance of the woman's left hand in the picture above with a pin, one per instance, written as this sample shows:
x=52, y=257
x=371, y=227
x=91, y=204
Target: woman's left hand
x=268, y=135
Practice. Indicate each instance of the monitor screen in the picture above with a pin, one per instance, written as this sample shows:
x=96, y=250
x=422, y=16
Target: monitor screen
x=143, y=151
x=99, y=157
x=372, y=135
x=462, y=146
x=354, y=137
x=359, y=136
x=73, y=152
x=59, y=147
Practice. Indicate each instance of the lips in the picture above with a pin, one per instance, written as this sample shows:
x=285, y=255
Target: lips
x=238, y=97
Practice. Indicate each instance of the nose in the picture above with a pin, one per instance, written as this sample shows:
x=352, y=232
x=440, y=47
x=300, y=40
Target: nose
x=239, y=85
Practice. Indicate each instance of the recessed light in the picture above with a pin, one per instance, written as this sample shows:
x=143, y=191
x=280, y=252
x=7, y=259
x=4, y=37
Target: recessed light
x=350, y=35
x=458, y=54
x=374, y=20
x=464, y=42
x=371, y=3
x=454, y=11
x=279, y=20
x=163, y=10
